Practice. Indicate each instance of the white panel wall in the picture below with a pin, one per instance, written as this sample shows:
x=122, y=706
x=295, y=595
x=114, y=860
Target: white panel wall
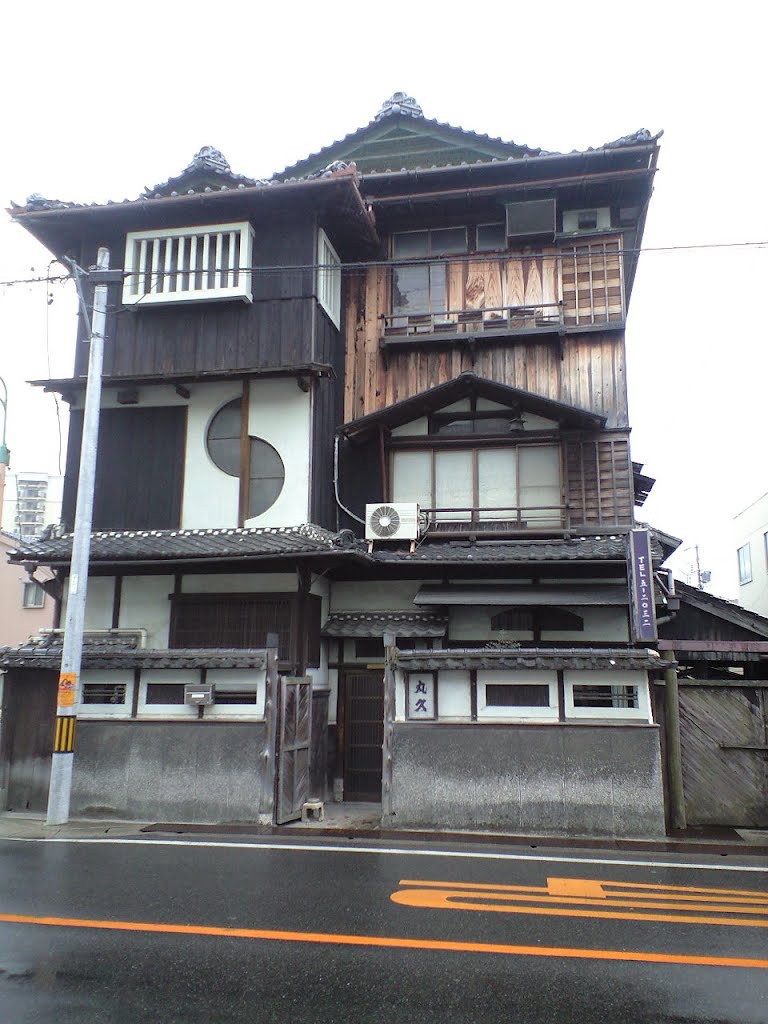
x=210, y=497
x=359, y=597
x=144, y=605
x=242, y=583
x=280, y=414
x=98, y=607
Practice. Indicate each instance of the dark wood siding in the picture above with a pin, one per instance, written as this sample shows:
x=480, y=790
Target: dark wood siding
x=598, y=480
x=139, y=468
x=275, y=330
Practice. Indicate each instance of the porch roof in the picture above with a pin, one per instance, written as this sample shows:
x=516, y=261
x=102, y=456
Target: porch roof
x=510, y=657
x=406, y=624
x=174, y=546
x=598, y=548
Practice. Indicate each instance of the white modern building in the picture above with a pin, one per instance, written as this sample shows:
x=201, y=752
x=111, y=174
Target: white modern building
x=750, y=530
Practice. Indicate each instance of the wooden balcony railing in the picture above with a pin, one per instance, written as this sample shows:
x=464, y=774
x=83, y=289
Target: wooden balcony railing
x=486, y=321
x=552, y=520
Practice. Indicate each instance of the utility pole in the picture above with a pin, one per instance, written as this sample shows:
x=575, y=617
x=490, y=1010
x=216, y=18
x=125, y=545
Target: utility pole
x=69, y=677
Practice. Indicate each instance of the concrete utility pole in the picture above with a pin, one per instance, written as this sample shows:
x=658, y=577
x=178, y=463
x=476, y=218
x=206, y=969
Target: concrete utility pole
x=69, y=677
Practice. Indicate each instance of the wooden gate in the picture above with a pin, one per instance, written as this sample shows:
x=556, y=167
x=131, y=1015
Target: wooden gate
x=294, y=746
x=29, y=722
x=363, y=735
x=724, y=744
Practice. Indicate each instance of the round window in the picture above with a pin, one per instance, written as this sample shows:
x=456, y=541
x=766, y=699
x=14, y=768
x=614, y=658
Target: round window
x=266, y=472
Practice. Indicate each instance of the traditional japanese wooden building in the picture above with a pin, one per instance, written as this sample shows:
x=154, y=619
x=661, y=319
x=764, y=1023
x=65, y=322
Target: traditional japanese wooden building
x=374, y=408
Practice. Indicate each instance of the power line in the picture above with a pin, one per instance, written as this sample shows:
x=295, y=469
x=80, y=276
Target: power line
x=479, y=257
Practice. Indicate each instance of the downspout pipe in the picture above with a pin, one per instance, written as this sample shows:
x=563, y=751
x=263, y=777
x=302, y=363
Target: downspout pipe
x=336, y=482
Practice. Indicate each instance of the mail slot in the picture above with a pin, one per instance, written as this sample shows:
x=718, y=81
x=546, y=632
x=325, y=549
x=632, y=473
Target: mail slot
x=198, y=694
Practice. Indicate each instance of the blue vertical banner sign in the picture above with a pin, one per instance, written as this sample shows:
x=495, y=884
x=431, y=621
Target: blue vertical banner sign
x=642, y=602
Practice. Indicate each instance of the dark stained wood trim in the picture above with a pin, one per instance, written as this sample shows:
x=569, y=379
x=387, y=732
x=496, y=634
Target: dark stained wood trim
x=473, y=694
x=560, y=695
x=245, y=405
x=300, y=630
x=117, y=598
x=135, y=697
x=383, y=465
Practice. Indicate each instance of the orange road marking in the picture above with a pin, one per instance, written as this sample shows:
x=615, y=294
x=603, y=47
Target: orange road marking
x=387, y=942
x=558, y=897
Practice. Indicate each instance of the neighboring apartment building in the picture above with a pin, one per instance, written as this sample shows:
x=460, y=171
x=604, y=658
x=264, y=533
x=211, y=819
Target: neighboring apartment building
x=750, y=531
x=353, y=404
x=25, y=608
x=32, y=501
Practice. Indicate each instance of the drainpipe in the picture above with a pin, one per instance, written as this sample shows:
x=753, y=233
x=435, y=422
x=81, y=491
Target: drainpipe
x=5, y=454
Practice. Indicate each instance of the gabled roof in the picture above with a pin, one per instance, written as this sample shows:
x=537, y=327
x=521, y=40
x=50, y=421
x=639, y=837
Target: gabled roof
x=568, y=416
x=729, y=611
x=208, y=170
x=401, y=138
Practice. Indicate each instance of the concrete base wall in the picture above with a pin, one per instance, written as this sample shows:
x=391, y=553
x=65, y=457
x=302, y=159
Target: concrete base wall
x=168, y=771
x=559, y=779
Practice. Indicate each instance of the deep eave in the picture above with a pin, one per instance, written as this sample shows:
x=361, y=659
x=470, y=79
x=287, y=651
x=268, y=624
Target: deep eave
x=569, y=417
x=61, y=226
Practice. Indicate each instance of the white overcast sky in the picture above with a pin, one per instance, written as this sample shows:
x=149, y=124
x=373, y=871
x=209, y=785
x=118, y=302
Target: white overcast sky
x=102, y=99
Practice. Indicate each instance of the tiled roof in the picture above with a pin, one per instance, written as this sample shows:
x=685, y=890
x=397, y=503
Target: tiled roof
x=45, y=652
x=408, y=623
x=175, y=545
x=530, y=657
x=495, y=552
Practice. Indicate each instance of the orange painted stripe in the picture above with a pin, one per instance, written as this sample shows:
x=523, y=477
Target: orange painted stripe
x=389, y=942
x=756, y=895
x=444, y=900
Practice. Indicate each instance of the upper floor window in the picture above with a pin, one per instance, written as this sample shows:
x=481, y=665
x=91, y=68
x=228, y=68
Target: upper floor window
x=745, y=563
x=423, y=287
x=196, y=264
x=328, y=278
x=518, y=484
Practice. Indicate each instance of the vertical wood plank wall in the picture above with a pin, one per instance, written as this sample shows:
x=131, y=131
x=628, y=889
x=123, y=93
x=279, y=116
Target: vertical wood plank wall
x=591, y=373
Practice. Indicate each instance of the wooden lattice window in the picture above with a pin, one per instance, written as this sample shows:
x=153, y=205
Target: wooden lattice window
x=231, y=620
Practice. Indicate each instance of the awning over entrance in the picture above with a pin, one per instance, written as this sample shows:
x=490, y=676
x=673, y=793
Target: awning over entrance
x=405, y=624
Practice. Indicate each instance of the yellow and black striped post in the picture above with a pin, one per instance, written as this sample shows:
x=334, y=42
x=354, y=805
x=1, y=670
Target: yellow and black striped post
x=64, y=741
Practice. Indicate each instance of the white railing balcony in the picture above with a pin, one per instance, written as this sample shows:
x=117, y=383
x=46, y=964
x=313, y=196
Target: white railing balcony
x=200, y=264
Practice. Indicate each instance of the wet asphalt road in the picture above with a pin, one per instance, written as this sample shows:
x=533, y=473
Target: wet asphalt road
x=560, y=963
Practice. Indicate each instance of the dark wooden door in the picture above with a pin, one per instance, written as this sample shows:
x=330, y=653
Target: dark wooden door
x=30, y=719
x=363, y=735
x=294, y=747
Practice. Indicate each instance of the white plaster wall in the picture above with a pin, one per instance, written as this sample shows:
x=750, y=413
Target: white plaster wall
x=98, y=605
x=144, y=604
x=210, y=496
x=189, y=676
x=453, y=695
x=242, y=583
x=522, y=677
x=380, y=596
x=280, y=414
x=608, y=677
x=609, y=624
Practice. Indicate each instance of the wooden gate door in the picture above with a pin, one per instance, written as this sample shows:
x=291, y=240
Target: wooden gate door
x=30, y=719
x=724, y=743
x=363, y=735
x=294, y=747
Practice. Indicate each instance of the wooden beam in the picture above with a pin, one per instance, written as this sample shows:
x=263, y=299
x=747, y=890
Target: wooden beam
x=724, y=646
x=245, y=455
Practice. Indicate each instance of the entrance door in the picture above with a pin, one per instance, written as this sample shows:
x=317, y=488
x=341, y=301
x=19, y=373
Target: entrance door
x=363, y=735
x=294, y=746
x=29, y=724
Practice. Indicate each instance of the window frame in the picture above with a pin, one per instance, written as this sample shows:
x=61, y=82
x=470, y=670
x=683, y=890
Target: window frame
x=744, y=559
x=112, y=677
x=32, y=587
x=580, y=677
x=328, y=278
x=524, y=713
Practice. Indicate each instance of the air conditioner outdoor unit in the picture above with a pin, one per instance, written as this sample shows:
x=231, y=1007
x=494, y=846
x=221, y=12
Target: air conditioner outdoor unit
x=395, y=521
